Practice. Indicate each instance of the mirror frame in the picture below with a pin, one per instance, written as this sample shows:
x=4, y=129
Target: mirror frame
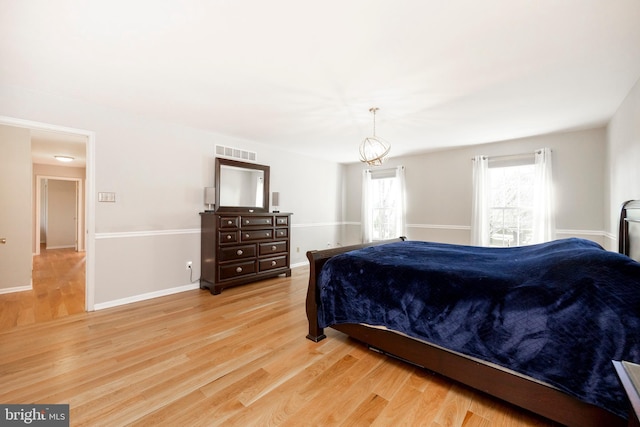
x=244, y=165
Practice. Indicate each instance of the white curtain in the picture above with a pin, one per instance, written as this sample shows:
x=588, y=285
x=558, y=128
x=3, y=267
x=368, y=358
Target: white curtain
x=544, y=224
x=401, y=218
x=367, y=213
x=480, y=202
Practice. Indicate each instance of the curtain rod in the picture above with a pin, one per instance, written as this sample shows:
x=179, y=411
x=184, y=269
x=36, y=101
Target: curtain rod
x=511, y=156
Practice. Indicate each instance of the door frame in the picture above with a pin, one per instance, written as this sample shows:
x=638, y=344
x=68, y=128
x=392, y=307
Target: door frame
x=79, y=210
x=90, y=206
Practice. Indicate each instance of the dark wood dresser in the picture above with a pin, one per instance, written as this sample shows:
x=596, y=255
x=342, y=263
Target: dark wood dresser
x=241, y=247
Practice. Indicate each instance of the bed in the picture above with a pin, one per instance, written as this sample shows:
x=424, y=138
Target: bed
x=506, y=321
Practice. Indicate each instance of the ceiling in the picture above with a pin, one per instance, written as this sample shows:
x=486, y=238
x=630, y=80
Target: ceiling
x=45, y=145
x=302, y=75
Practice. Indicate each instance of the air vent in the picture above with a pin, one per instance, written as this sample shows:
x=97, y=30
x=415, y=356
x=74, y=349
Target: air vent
x=236, y=153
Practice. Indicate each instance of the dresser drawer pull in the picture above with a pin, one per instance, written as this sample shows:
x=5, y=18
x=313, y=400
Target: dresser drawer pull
x=239, y=270
x=268, y=234
x=230, y=222
x=246, y=235
x=281, y=233
x=273, y=263
x=268, y=221
x=239, y=252
x=229, y=237
x=246, y=221
x=273, y=248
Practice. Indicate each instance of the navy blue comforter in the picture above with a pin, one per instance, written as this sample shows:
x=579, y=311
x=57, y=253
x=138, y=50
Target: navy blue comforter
x=558, y=312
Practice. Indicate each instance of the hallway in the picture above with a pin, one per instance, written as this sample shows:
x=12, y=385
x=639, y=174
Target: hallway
x=58, y=290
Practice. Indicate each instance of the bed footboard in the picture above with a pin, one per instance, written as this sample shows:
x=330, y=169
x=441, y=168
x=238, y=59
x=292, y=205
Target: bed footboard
x=316, y=261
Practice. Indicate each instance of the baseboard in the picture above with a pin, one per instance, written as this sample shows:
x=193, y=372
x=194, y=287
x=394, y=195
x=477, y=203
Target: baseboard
x=300, y=264
x=15, y=289
x=143, y=297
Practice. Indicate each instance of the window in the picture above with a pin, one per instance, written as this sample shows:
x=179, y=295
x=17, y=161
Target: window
x=512, y=200
x=383, y=204
x=511, y=205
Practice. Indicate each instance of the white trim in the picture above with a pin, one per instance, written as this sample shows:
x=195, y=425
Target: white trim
x=30, y=124
x=143, y=297
x=148, y=233
x=440, y=227
x=319, y=224
x=598, y=233
x=16, y=289
x=90, y=213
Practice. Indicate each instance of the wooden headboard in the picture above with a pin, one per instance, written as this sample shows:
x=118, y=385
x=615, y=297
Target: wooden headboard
x=630, y=229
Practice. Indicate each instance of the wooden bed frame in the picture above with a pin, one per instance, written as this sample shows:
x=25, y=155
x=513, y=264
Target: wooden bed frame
x=504, y=384
x=630, y=213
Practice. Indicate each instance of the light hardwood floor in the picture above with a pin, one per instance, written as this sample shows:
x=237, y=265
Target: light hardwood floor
x=58, y=290
x=235, y=359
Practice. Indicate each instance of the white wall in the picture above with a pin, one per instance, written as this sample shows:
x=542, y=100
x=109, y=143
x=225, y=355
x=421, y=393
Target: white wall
x=158, y=171
x=439, y=186
x=623, y=159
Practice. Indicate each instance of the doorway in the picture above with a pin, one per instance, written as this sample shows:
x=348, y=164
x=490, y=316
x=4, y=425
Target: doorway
x=85, y=212
x=59, y=219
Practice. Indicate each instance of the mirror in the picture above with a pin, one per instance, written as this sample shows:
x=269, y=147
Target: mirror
x=241, y=186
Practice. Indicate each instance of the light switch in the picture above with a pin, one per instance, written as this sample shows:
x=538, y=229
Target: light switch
x=107, y=197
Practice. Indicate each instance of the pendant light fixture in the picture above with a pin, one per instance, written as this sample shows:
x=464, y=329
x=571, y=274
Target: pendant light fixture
x=374, y=150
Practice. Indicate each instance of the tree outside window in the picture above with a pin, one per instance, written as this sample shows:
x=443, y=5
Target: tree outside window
x=385, y=208
x=511, y=205
x=383, y=215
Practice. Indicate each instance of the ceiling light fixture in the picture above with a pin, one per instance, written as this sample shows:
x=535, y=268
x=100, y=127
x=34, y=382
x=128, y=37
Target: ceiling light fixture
x=65, y=159
x=374, y=150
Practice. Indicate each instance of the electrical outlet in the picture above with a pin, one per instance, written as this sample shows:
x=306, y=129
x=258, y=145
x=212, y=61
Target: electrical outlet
x=298, y=249
x=188, y=265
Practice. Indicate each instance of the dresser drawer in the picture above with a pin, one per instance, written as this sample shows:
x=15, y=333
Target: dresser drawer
x=253, y=221
x=237, y=252
x=282, y=233
x=272, y=263
x=229, y=222
x=282, y=220
x=251, y=235
x=231, y=271
x=272, y=248
x=227, y=237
